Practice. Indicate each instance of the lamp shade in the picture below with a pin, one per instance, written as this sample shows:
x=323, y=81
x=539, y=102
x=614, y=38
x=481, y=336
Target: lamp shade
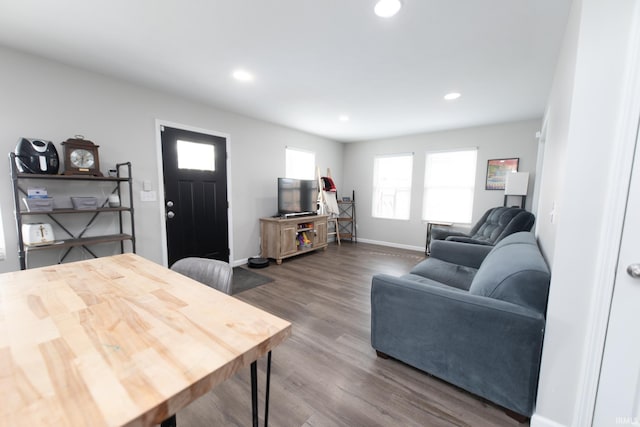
x=516, y=184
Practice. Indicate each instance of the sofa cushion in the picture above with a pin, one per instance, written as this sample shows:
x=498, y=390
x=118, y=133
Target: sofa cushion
x=514, y=271
x=464, y=239
x=459, y=253
x=430, y=282
x=457, y=276
x=523, y=237
x=498, y=223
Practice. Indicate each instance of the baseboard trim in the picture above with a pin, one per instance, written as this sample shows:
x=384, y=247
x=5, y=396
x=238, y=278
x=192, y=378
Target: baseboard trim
x=239, y=262
x=392, y=245
x=242, y=261
x=540, y=421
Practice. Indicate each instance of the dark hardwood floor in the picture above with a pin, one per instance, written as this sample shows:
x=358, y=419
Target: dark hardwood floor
x=327, y=373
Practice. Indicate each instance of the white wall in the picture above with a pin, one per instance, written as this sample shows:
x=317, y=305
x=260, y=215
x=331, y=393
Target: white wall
x=493, y=142
x=556, y=133
x=44, y=99
x=581, y=175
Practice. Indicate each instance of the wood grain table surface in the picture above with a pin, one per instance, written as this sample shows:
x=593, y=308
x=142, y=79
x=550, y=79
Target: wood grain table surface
x=117, y=341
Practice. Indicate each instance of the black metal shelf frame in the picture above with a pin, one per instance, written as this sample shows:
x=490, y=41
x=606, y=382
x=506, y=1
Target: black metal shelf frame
x=346, y=221
x=75, y=240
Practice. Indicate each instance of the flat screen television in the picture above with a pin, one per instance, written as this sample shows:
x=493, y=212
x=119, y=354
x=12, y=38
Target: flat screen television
x=297, y=196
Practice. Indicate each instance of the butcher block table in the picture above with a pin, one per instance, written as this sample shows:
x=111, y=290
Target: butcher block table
x=119, y=341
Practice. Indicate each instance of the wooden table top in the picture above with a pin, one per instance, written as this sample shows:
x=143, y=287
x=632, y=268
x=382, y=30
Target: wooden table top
x=118, y=340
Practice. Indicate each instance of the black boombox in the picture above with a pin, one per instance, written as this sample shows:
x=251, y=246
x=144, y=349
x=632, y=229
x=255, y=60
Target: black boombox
x=36, y=156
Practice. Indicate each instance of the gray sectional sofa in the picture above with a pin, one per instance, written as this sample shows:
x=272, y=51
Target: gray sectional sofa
x=472, y=315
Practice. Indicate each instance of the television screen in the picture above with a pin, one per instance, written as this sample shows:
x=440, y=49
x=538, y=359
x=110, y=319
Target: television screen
x=297, y=196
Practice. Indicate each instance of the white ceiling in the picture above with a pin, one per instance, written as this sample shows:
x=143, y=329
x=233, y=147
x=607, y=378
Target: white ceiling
x=314, y=60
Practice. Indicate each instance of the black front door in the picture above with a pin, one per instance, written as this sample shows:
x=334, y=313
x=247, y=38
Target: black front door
x=195, y=186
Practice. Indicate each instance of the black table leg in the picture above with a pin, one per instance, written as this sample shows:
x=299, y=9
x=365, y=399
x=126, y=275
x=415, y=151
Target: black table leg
x=169, y=422
x=266, y=397
x=254, y=392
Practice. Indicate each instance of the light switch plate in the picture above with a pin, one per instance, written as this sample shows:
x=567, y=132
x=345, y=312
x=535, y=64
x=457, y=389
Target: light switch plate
x=148, y=196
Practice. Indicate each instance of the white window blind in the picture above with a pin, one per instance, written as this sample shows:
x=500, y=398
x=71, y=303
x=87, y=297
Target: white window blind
x=299, y=164
x=392, y=186
x=449, y=185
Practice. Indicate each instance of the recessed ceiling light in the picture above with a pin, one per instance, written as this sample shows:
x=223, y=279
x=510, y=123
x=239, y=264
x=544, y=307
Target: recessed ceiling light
x=451, y=96
x=343, y=118
x=242, y=75
x=387, y=8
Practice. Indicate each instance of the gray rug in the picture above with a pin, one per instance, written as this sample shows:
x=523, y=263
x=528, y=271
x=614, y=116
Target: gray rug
x=244, y=279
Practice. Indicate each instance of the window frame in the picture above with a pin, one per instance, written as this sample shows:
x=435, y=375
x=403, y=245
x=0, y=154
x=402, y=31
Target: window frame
x=469, y=188
x=196, y=156
x=394, y=191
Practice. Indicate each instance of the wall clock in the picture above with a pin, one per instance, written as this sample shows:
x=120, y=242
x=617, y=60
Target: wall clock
x=81, y=157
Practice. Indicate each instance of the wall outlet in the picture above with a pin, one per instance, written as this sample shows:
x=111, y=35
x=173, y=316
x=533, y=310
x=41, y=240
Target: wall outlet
x=148, y=196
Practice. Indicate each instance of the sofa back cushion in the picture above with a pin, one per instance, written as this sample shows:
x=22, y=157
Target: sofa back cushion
x=497, y=223
x=514, y=271
x=448, y=273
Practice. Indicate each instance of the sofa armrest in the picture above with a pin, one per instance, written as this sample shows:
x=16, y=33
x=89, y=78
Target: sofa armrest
x=486, y=346
x=440, y=233
x=470, y=240
x=459, y=253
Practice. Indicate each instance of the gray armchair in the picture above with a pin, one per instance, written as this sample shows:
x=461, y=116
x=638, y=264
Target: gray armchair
x=495, y=225
x=213, y=273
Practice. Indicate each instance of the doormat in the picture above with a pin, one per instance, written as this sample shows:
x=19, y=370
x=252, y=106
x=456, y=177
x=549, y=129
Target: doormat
x=244, y=280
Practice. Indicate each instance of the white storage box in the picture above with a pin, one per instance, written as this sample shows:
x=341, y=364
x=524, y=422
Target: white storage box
x=84, y=202
x=37, y=193
x=38, y=204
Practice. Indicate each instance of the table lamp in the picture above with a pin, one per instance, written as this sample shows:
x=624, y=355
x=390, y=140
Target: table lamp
x=516, y=184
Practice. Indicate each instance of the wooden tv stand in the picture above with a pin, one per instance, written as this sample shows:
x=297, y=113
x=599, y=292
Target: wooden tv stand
x=281, y=237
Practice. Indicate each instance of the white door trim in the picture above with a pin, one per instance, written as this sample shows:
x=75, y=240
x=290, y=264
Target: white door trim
x=619, y=179
x=163, y=222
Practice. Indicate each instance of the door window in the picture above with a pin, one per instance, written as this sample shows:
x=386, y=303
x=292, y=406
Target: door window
x=194, y=155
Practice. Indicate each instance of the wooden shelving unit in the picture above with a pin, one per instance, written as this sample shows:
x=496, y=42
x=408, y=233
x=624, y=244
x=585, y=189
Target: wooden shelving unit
x=107, y=238
x=74, y=239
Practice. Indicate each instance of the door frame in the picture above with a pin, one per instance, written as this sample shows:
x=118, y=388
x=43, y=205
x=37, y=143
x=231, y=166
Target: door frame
x=163, y=221
x=613, y=220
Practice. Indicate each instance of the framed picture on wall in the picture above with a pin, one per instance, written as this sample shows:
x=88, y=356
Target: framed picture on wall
x=496, y=171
